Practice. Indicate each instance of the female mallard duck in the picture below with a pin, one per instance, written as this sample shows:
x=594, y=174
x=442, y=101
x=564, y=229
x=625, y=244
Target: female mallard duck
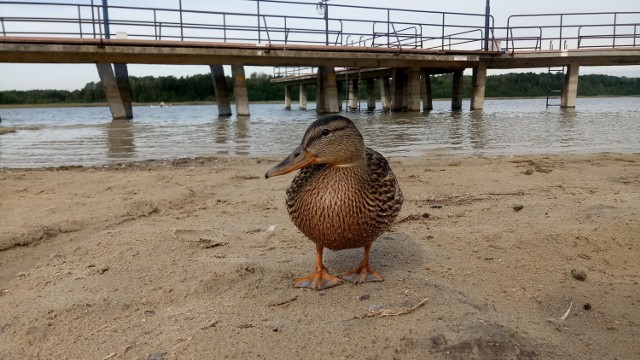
x=344, y=196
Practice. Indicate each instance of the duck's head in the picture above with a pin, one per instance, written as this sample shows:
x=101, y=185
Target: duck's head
x=333, y=140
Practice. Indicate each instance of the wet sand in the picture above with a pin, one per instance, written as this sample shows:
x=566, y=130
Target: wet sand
x=174, y=259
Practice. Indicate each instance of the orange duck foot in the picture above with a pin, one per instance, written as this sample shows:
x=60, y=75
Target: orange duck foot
x=318, y=280
x=361, y=274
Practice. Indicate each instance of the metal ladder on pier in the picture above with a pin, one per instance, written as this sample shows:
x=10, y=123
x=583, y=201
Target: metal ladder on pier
x=554, y=94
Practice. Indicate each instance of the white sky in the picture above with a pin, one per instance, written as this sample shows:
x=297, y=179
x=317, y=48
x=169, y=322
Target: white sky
x=75, y=76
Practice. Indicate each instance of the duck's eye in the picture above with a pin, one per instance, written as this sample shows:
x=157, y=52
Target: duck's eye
x=326, y=132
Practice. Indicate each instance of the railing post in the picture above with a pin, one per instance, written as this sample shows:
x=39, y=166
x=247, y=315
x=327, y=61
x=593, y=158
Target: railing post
x=259, y=28
x=615, y=25
x=105, y=15
x=93, y=18
x=487, y=13
x=560, y=42
x=181, y=27
x=80, y=21
x=443, y=16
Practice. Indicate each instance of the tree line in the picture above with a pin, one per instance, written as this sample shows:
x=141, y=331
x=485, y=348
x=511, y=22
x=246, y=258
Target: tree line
x=199, y=88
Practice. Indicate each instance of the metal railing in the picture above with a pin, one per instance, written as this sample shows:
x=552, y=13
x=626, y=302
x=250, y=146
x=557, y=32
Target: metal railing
x=270, y=22
x=572, y=31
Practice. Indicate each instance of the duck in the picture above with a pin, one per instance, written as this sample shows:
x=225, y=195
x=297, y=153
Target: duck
x=344, y=196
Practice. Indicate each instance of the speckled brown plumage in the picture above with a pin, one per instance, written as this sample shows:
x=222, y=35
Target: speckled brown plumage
x=344, y=196
x=345, y=207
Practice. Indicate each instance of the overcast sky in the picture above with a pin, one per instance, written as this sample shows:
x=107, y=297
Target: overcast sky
x=75, y=76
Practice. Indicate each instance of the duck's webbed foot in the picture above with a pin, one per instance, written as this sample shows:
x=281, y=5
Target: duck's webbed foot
x=318, y=280
x=363, y=272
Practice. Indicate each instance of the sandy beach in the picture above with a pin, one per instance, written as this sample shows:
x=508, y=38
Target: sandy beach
x=519, y=257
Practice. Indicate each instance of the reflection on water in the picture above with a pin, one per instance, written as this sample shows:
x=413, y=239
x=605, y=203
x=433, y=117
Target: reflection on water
x=120, y=139
x=87, y=136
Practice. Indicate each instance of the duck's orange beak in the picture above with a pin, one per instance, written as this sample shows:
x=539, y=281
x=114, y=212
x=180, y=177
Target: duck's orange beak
x=299, y=158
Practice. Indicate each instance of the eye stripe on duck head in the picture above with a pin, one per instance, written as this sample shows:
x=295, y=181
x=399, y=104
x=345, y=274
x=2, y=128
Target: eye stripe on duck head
x=333, y=123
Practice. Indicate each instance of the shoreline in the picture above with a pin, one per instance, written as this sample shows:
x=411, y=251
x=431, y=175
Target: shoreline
x=177, y=258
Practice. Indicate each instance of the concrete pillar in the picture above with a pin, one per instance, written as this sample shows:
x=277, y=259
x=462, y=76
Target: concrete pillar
x=412, y=95
x=221, y=90
x=399, y=85
x=240, y=90
x=340, y=86
x=570, y=88
x=353, y=94
x=116, y=89
x=427, y=95
x=385, y=93
x=303, y=97
x=456, y=94
x=287, y=97
x=327, y=97
x=478, y=84
x=371, y=94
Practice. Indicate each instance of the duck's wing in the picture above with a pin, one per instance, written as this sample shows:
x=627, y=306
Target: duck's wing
x=383, y=187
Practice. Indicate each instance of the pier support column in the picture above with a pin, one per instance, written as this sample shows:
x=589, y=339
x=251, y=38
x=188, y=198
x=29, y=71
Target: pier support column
x=371, y=94
x=354, y=90
x=327, y=97
x=478, y=84
x=385, y=93
x=240, y=90
x=456, y=94
x=303, y=97
x=427, y=95
x=413, y=90
x=399, y=85
x=570, y=88
x=115, y=81
x=221, y=90
x=287, y=97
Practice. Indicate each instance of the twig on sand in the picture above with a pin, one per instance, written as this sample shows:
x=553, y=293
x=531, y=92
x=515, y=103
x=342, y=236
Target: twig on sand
x=284, y=302
x=391, y=312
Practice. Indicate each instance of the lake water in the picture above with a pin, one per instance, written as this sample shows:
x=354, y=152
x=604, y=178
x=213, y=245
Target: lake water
x=88, y=136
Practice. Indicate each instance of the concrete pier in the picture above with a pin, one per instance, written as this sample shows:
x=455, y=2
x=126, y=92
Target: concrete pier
x=115, y=81
x=354, y=90
x=221, y=90
x=478, y=84
x=303, y=97
x=456, y=94
x=412, y=92
x=287, y=97
x=327, y=96
x=385, y=93
x=399, y=85
x=240, y=90
x=570, y=88
x=427, y=95
x=371, y=94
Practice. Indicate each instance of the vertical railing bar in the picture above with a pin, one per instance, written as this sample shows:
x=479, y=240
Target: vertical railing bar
x=443, y=19
x=259, y=29
x=155, y=25
x=181, y=26
x=80, y=21
x=561, y=22
x=93, y=19
x=224, y=27
x=388, y=28
x=615, y=22
x=5, y=34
